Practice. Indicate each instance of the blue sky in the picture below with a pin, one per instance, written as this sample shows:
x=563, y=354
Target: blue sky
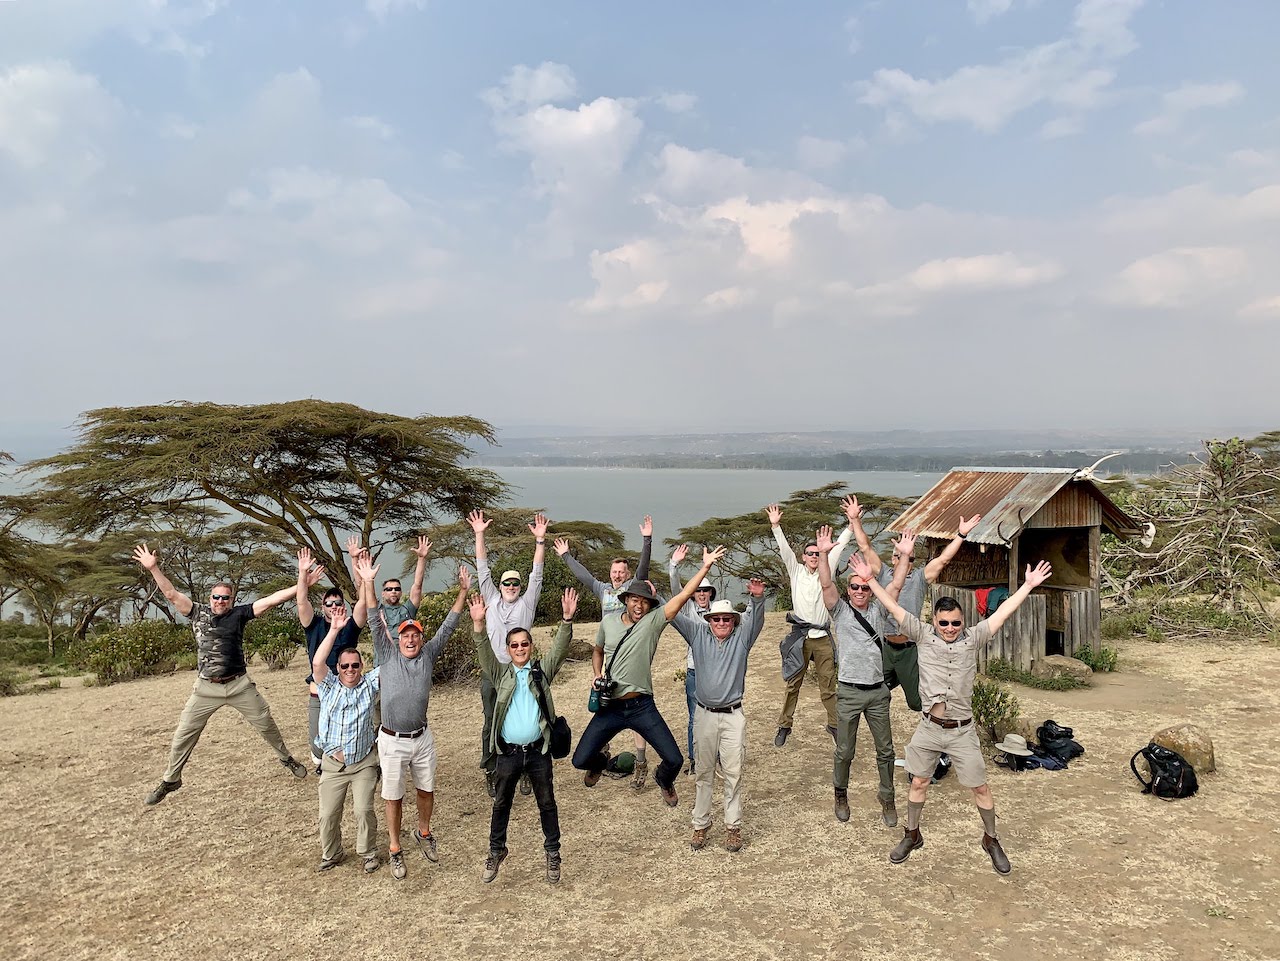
x=659, y=217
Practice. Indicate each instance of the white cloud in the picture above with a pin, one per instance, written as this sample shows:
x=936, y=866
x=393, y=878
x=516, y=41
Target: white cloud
x=1188, y=98
x=570, y=147
x=815, y=153
x=678, y=102
x=52, y=117
x=699, y=174
x=1177, y=277
x=39, y=30
x=526, y=86
x=1265, y=308
x=1071, y=72
x=1005, y=271
x=853, y=33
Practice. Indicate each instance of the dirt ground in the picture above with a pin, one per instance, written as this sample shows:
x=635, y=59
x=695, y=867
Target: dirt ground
x=227, y=866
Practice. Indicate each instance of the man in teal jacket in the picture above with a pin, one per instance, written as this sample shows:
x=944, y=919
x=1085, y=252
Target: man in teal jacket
x=520, y=737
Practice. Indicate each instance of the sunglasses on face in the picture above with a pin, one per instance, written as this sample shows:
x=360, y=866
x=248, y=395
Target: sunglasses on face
x=959, y=623
x=720, y=618
x=333, y=604
x=519, y=644
x=391, y=589
x=859, y=587
x=221, y=597
x=810, y=553
x=355, y=666
x=510, y=583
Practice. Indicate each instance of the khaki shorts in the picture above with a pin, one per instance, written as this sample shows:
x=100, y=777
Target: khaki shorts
x=396, y=754
x=961, y=743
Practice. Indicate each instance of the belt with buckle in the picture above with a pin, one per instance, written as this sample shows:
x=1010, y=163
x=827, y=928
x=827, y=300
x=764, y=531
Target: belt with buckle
x=408, y=734
x=899, y=640
x=864, y=687
x=720, y=710
x=225, y=680
x=950, y=725
x=508, y=748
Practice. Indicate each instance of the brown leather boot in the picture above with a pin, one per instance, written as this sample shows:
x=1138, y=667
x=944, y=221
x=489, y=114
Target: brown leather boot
x=911, y=839
x=842, y=804
x=889, y=813
x=999, y=860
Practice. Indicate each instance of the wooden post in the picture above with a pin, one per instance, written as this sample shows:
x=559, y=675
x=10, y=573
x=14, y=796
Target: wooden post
x=1095, y=558
x=1013, y=563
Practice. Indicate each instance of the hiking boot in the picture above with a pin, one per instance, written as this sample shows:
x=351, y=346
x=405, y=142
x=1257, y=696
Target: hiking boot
x=780, y=738
x=328, y=864
x=699, y=839
x=889, y=813
x=691, y=769
x=296, y=768
x=831, y=729
x=491, y=865
x=491, y=783
x=592, y=778
x=999, y=860
x=398, y=870
x=841, y=805
x=640, y=775
x=733, y=840
x=427, y=845
x=371, y=863
x=161, y=789
x=669, y=795
x=553, y=867
x=910, y=841
x=526, y=786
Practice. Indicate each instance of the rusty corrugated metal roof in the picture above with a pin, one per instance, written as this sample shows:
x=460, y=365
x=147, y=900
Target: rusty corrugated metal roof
x=1006, y=499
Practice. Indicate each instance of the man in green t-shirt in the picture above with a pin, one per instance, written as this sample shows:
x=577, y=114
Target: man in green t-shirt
x=623, y=661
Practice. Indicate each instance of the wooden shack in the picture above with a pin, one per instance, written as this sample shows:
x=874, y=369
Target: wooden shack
x=1028, y=515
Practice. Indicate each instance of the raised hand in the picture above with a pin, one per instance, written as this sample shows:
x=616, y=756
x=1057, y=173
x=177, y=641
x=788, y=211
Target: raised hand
x=476, y=605
x=313, y=576
x=339, y=619
x=852, y=509
x=478, y=521
x=561, y=545
x=755, y=587
x=1038, y=575
x=860, y=567
x=365, y=569
x=713, y=554
x=823, y=539
x=569, y=603
x=646, y=526
x=679, y=554
x=464, y=579
x=353, y=546
x=424, y=546
x=906, y=543
x=965, y=526
x=775, y=514
x=145, y=557
x=539, y=527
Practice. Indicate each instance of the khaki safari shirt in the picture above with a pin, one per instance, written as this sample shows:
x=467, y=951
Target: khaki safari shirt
x=947, y=670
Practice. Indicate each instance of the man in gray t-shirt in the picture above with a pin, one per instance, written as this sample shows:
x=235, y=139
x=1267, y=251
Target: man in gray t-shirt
x=719, y=643
x=405, y=743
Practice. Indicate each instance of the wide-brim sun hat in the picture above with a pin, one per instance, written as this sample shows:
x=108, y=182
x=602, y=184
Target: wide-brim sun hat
x=1014, y=744
x=724, y=607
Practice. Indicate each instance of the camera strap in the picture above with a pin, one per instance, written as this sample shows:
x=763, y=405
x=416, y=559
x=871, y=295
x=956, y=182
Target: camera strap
x=608, y=670
x=866, y=626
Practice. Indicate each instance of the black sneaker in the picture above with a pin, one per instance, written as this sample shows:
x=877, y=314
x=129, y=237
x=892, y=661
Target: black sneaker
x=296, y=768
x=526, y=786
x=491, y=783
x=162, y=789
x=780, y=738
x=553, y=867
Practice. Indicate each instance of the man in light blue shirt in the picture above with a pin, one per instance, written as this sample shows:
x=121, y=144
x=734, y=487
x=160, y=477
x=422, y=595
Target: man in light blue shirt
x=346, y=744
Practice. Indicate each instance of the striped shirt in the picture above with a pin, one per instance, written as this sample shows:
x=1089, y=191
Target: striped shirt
x=346, y=716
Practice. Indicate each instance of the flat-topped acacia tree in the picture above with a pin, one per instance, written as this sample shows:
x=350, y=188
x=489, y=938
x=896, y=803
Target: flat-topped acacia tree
x=315, y=471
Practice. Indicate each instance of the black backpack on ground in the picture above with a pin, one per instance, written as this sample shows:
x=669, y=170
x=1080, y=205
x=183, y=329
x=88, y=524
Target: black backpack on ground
x=1171, y=776
x=1058, y=741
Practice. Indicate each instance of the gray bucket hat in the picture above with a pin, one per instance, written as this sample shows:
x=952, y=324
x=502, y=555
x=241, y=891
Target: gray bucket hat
x=638, y=588
x=1014, y=744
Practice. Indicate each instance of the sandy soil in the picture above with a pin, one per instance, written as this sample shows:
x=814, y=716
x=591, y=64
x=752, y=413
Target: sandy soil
x=228, y=864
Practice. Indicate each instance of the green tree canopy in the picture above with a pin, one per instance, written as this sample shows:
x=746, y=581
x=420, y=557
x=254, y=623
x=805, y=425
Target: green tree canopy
x=313, y=470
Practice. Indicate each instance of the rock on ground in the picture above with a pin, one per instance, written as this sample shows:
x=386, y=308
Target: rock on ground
x=1192, y=742
x=1056, y=665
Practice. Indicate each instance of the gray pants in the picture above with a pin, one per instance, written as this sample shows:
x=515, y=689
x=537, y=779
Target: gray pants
x=313, y=725
x=335, y=779
x=851, y=705
x=207, y=697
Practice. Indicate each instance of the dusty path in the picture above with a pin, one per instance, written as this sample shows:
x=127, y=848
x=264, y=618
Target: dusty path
x=227, y=866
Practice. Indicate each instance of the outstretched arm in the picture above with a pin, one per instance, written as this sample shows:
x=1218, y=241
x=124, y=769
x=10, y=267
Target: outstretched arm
x=478, y=523
x=384, y=645
x=933, y=570
x=853, y=514
x=433, y=647
x=489, y=666
x=181, y=603
x=774, y=513
x=264, y=604
x=539, y=531
x=646, y=548
x=320, y=662
x=584, y=576
x=709, y=557
x=903, y=546
x=419, y=570
x=887, y=600
x=308, y=576
x=755, y=610
x=1034, y=578
x=830, y=596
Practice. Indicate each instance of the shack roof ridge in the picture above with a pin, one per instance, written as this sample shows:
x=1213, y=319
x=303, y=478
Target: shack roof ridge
x=1020, y=470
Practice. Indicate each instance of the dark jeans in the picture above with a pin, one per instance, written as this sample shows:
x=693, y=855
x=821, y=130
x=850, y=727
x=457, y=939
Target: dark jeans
x=637, y=714
x=537, y=765
x=488, y=700
x=690, y=688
